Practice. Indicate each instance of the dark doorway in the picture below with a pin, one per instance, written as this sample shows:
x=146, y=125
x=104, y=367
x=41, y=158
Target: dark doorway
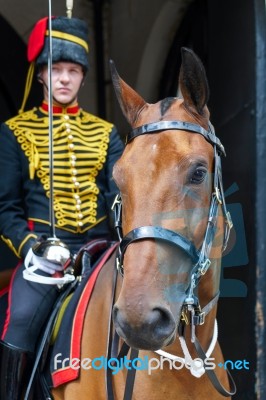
x=13, y=72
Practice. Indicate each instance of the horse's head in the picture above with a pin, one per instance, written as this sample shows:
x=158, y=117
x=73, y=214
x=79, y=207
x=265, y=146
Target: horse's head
x=167, y=176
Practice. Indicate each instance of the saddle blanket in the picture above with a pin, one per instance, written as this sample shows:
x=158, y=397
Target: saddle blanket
x=67, y=345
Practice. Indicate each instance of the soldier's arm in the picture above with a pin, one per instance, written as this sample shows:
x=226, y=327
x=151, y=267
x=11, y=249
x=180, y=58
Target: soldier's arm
x=14, y=228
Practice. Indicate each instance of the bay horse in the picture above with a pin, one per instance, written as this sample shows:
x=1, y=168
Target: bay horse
x=173, y=225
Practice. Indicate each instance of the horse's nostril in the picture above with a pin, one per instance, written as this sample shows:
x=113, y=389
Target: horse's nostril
x=152, y=332
x=161, y=323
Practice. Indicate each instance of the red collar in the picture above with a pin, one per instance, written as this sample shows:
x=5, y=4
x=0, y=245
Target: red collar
x=61, y=110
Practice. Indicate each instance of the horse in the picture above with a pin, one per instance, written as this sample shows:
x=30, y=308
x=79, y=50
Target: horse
x=173, y=225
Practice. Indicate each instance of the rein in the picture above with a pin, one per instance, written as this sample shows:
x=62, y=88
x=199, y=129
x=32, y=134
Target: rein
x=199, y=257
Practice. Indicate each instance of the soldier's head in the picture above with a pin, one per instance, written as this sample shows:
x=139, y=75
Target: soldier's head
x=69, y=42
x=69, y=39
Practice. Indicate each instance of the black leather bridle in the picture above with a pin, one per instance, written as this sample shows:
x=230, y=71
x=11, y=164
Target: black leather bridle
x=199, y=257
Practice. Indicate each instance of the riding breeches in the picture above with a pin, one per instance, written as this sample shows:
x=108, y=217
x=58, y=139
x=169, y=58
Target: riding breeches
x=30, y=304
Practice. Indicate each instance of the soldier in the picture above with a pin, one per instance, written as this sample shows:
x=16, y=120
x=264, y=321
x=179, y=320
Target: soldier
x=85, y=149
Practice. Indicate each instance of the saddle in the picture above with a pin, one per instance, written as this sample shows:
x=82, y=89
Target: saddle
x=66, y=321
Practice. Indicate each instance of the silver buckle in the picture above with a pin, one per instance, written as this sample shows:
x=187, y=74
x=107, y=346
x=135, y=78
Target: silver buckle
x=204, y=266
x=199, y=318
x=228, y=226
x=229, y=220
x=218, y=195
x=117, y=200
x=119, y=267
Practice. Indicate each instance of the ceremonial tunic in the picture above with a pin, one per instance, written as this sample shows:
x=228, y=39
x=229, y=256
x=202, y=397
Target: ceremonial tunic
x=85, y=149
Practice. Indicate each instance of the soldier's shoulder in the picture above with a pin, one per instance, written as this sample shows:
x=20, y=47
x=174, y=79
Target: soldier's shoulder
x=24, y=116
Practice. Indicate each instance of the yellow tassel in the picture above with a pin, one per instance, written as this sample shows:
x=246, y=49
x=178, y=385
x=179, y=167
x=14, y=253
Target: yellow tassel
x=27, y=86
x=32, y=165
x=31, y=170
x=36, y=160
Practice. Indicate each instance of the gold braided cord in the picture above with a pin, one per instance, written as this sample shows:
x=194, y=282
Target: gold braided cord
x=69, y=38
x=59, y=318
x=9, y=243
x=79, y=141
x=69, y=208
x=30, y=235
x=67, y=229
x=28, y=85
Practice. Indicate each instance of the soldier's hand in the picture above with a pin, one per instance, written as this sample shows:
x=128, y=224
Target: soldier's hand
x=42, y=263
x=45, y=265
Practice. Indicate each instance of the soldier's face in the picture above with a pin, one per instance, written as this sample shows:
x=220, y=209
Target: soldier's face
x=67, y=78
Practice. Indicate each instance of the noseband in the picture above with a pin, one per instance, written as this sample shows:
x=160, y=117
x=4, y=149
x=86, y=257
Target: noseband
x=199, y=257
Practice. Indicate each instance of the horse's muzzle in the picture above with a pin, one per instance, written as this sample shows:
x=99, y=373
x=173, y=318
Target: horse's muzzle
x=157, y=330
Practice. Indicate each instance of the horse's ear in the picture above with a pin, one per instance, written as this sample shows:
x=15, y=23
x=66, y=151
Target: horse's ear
x=130, y=101
x=193, y=81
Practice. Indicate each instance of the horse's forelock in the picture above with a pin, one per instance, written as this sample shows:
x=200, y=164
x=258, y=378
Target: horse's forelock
x=166, y=104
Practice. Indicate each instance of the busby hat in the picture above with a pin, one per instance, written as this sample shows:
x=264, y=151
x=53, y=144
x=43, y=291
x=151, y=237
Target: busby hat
x=69, y=41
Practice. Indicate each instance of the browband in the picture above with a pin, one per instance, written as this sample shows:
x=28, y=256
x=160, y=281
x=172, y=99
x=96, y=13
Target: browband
x=155, y=127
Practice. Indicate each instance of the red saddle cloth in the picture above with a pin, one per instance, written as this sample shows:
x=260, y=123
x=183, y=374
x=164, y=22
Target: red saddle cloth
x=68, y=342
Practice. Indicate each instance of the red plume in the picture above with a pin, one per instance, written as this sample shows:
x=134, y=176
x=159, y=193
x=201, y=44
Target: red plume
x=36, y=39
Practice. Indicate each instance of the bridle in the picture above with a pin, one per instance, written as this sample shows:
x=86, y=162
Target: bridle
x=200, y=257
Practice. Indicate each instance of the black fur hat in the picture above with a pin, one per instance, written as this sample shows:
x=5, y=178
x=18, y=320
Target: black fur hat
x=69, y=41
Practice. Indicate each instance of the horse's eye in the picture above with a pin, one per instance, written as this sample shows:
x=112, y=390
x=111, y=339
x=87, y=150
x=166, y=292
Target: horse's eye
x=198, y=175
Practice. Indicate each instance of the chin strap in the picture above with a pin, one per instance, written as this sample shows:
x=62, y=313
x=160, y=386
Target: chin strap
x=196, y=367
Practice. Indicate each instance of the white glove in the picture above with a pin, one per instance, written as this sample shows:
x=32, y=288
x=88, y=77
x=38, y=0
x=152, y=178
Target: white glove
x=46, y=265
x=42, y=263
x=33, y=263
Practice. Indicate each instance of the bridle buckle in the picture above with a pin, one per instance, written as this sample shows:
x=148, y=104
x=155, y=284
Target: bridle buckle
x=198, y=318
x=218, y=195
x=228, y=220
x=204, y=266
x=117, y=201
x=184, y=317
x=192, y=313
x=119, y=266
